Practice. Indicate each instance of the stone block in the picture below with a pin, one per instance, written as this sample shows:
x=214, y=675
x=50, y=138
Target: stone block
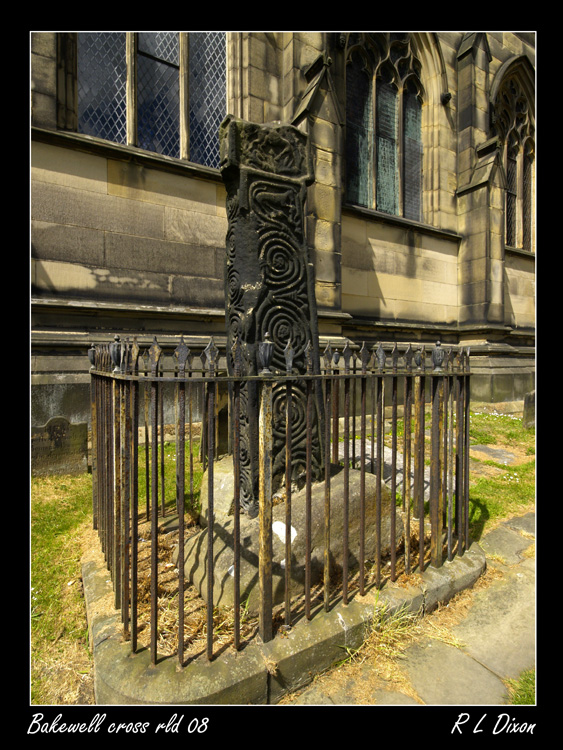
x=529, y=418
x=223, y=592
x=59, y=447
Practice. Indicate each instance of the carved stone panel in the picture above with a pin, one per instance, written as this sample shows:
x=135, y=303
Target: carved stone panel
x=269, y=285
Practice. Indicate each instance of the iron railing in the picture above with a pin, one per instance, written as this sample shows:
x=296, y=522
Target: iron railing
x=401, y=415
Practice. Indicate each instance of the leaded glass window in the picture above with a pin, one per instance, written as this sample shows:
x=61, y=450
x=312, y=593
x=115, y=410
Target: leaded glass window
x=147, y=69
x=527, y=200
x=102, y=85
x=360, y=140
x=514, y=125
x=158, y=92
x=384, y=124
x=207, y=86
x=386, y=170
x=412, y=154
x=511, y=198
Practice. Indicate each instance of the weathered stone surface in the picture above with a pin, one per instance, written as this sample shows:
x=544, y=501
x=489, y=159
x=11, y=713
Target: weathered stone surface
x=269, y=285
x=59, y=447
x=529, y=418
x=196, y=547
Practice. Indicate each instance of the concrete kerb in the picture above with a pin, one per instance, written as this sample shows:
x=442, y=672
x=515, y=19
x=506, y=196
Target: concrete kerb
x=261, y=673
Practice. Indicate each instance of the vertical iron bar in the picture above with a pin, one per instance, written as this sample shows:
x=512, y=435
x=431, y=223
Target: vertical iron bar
x=345, y=504
x=265, y=510
x=466, y=452
x=308, y=478
x=335, y=410
x=327, y=495
x=288, y=498
x=146, y=392
x=161, y=420
x=182, y=354
x=134, y=513
x=393, y=462
x=236, y=471
x=450, y=461
x=126, y=491
x=458, y=462
x=94, y=447
x=379, y=475
x=353, y=383
x=154, y=357
x=436, y=517
x=211, y=352
x=117, y=493
x=362, y=476
x=407, y=461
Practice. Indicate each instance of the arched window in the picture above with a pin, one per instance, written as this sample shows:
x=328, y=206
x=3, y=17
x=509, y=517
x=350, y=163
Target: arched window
x=161, y=91
x=384, y=124
x=513, y=121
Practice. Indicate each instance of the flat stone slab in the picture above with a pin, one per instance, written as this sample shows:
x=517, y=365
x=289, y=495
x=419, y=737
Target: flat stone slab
x=444, y=675
x=492, y=453
x=505, y=544
x=499, y=630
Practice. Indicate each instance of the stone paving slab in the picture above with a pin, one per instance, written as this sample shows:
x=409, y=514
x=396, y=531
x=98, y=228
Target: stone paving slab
x=496, y=639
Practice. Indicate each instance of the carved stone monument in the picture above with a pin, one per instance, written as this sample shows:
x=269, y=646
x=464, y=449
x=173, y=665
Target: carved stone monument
x=269, y=284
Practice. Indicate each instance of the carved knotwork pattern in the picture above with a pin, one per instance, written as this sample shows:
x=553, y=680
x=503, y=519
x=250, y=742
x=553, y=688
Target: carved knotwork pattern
x=267, y=292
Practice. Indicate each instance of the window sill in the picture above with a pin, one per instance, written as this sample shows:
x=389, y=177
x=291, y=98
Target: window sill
x=520, y=251
x=418, y=226
x=110, y=150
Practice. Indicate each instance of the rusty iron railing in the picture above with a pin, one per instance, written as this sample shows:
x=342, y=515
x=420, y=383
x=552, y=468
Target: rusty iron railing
x=368, y=393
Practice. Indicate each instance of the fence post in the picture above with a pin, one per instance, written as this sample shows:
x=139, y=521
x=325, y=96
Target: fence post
x=265, y=438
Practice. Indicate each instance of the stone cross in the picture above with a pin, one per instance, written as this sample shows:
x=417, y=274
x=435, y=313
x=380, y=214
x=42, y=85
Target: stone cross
x=269, y=286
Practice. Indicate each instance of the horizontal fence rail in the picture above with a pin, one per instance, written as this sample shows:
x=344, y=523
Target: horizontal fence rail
x=402, y=416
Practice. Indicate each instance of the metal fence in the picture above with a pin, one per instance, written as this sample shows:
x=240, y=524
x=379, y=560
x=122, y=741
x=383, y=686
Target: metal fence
x=400, y=415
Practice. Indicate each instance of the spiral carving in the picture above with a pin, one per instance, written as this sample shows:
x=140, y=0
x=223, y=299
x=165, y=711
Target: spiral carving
x=267, y=287
x=281, y=260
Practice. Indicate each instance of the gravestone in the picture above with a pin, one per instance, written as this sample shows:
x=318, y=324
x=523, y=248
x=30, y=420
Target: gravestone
x=269, y=287
x=59, y=447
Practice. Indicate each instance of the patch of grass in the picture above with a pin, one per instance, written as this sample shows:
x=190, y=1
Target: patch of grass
x=167, y=458
x=60, y=512
x=495, y=498
x=511, y=490
x=522, y=692
x=501, y=429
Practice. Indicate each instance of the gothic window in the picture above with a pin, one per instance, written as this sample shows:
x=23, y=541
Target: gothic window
x=514, y=124
x=161, y=91
x=384, y=124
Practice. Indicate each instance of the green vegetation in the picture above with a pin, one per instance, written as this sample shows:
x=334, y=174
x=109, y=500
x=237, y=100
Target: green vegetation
x=60, y=513
x=170, y=465
x=523, y=690
x=500, y=491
